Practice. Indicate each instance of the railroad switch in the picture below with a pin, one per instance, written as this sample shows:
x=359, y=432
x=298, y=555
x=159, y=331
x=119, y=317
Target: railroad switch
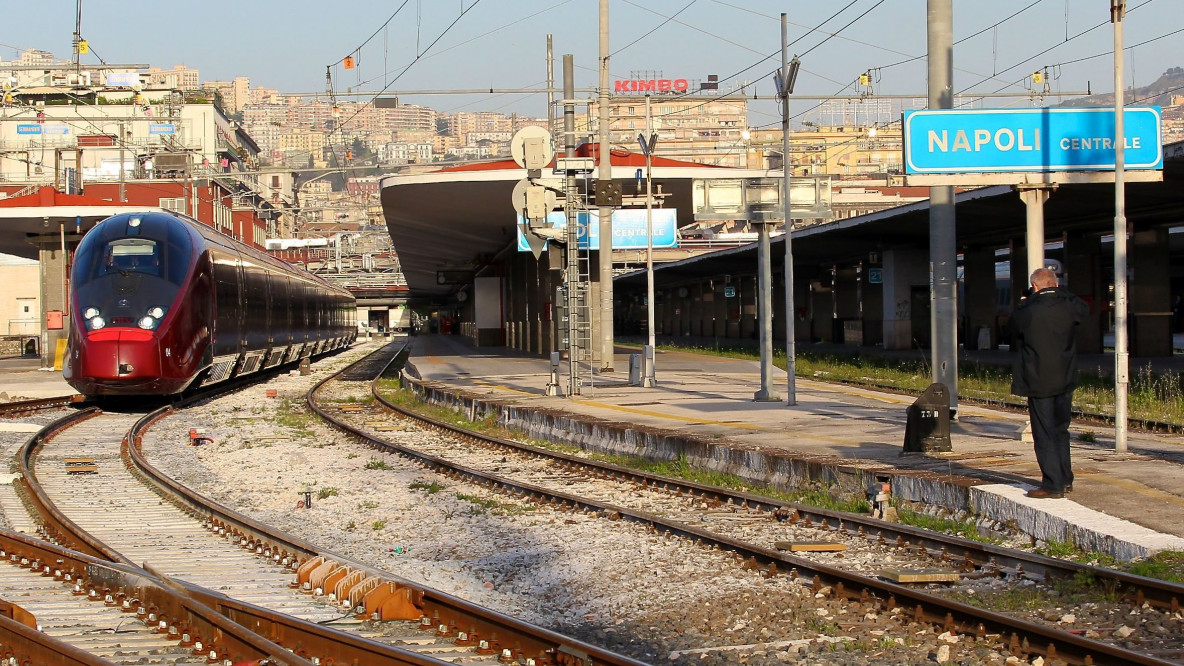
x=197, y=437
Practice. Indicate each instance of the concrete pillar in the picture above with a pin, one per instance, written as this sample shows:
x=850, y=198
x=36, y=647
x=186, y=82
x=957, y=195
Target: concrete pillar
x=705, y=300
x=1084, y=277
x=981, y=302
x=534, y=298
x=54, y=273
x=748, y=307
x=1020, y=274
x=822, y=307
x=719, y=307
x=1150, y=294
x=872, y=304
x=846, y=295
x=903, y=269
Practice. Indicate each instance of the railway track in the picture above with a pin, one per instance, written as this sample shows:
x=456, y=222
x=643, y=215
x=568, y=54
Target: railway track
x=21, y=407
x=972, y=560
x=87, y=478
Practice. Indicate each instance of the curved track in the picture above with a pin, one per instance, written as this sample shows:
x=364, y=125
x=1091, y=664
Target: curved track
x=282, y=588
x=971, y=557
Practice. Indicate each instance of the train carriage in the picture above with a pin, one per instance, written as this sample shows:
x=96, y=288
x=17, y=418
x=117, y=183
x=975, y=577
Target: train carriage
x=162, y=303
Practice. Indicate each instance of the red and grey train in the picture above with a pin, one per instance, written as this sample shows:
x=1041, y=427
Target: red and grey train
x=163, y=303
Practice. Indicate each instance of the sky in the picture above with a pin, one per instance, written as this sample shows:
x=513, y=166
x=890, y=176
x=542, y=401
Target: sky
x=466, y=44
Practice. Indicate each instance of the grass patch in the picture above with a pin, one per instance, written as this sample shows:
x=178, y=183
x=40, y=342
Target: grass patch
x=378, y=525
x=1011, y=600
x=295, y=417
x=1087, y=436
x=431, y=488
x=962, y=528
x=326, y=492
x=377, y=464
x=1165, y=565
x=1153, y=396
x=365, y=506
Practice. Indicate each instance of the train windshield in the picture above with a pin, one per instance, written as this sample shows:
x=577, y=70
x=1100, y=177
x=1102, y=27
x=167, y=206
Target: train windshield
x=129, y=269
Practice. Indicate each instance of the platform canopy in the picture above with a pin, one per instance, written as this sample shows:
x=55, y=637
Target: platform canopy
x=42, y=213
x=459, y=219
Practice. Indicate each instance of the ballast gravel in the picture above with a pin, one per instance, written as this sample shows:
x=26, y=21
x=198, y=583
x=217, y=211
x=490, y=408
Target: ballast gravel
x=658, y=599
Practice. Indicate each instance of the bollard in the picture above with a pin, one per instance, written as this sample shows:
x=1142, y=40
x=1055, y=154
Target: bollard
x=635, y=370
x=647, y=363
x=553, y=385
x=307, y=498
x=305, y=366
x=927, y=428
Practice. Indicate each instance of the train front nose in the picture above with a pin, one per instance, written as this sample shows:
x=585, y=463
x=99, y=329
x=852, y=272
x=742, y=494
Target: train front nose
x=120, y=357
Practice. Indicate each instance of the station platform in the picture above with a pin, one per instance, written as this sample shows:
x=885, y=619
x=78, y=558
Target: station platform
x=1128, y=505
x=21, y=377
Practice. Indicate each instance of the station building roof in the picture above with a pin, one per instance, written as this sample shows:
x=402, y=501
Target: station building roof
x=460, y=218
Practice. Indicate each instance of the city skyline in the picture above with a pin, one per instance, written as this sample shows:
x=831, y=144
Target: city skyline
x=288, y=46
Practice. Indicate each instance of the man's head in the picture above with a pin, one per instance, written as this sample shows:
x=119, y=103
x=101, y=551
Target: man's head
x=1042, y=278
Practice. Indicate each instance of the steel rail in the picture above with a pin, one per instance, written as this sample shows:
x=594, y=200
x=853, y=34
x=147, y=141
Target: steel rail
x=456, y=611
x=443, y=613
x=36, y=404
x=949, y=548
x=949, y=615
x=136, y=592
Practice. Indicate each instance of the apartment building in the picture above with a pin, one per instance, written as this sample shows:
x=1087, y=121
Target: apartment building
x=179, y=77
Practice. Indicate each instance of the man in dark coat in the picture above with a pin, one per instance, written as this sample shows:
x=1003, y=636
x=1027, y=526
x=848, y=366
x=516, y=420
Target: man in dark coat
x=1045, y=328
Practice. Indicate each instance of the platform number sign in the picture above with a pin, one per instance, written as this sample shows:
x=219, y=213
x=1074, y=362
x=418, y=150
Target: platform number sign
x=729, y=292
x=875, y=276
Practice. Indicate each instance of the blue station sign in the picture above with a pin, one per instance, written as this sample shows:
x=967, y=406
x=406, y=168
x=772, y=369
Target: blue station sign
x=949, y=141
x=161, y=128
x=28, y=128
x=628, y=228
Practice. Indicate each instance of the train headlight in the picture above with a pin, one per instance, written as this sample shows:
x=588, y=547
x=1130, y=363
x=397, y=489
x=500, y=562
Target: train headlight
x=95, y=323
x=90, y=313
x=152, y=319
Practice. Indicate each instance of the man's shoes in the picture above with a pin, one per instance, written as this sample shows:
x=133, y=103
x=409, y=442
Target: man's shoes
x=1069, y=488
x=1041, y=493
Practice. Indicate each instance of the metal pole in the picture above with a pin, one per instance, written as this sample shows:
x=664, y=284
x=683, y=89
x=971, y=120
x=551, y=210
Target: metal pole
x=943, y=252
x=550, y=87
x=571, y=248
x=648, y=379
x=1121, y=356
x=765, y=316
x=605, y=172
x=791, y=397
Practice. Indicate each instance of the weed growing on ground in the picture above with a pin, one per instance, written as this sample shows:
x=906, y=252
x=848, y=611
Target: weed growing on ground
x=1165, y=565
x=326, y=492
x=1087, y=436
x=366, y=506
x=378, y=525
x=963, y=528
x=296, y=417
x=432, y=487
x=377, y=464
x=1154, y=396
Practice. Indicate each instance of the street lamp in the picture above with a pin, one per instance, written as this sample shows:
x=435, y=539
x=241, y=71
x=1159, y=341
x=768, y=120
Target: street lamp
x=784, y=90
x=647, y=148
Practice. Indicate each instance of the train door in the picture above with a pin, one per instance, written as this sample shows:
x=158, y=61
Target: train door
x=227, y=305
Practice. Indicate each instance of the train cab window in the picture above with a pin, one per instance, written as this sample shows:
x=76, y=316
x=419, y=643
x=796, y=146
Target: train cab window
x=156, y=248
x=131, y=255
